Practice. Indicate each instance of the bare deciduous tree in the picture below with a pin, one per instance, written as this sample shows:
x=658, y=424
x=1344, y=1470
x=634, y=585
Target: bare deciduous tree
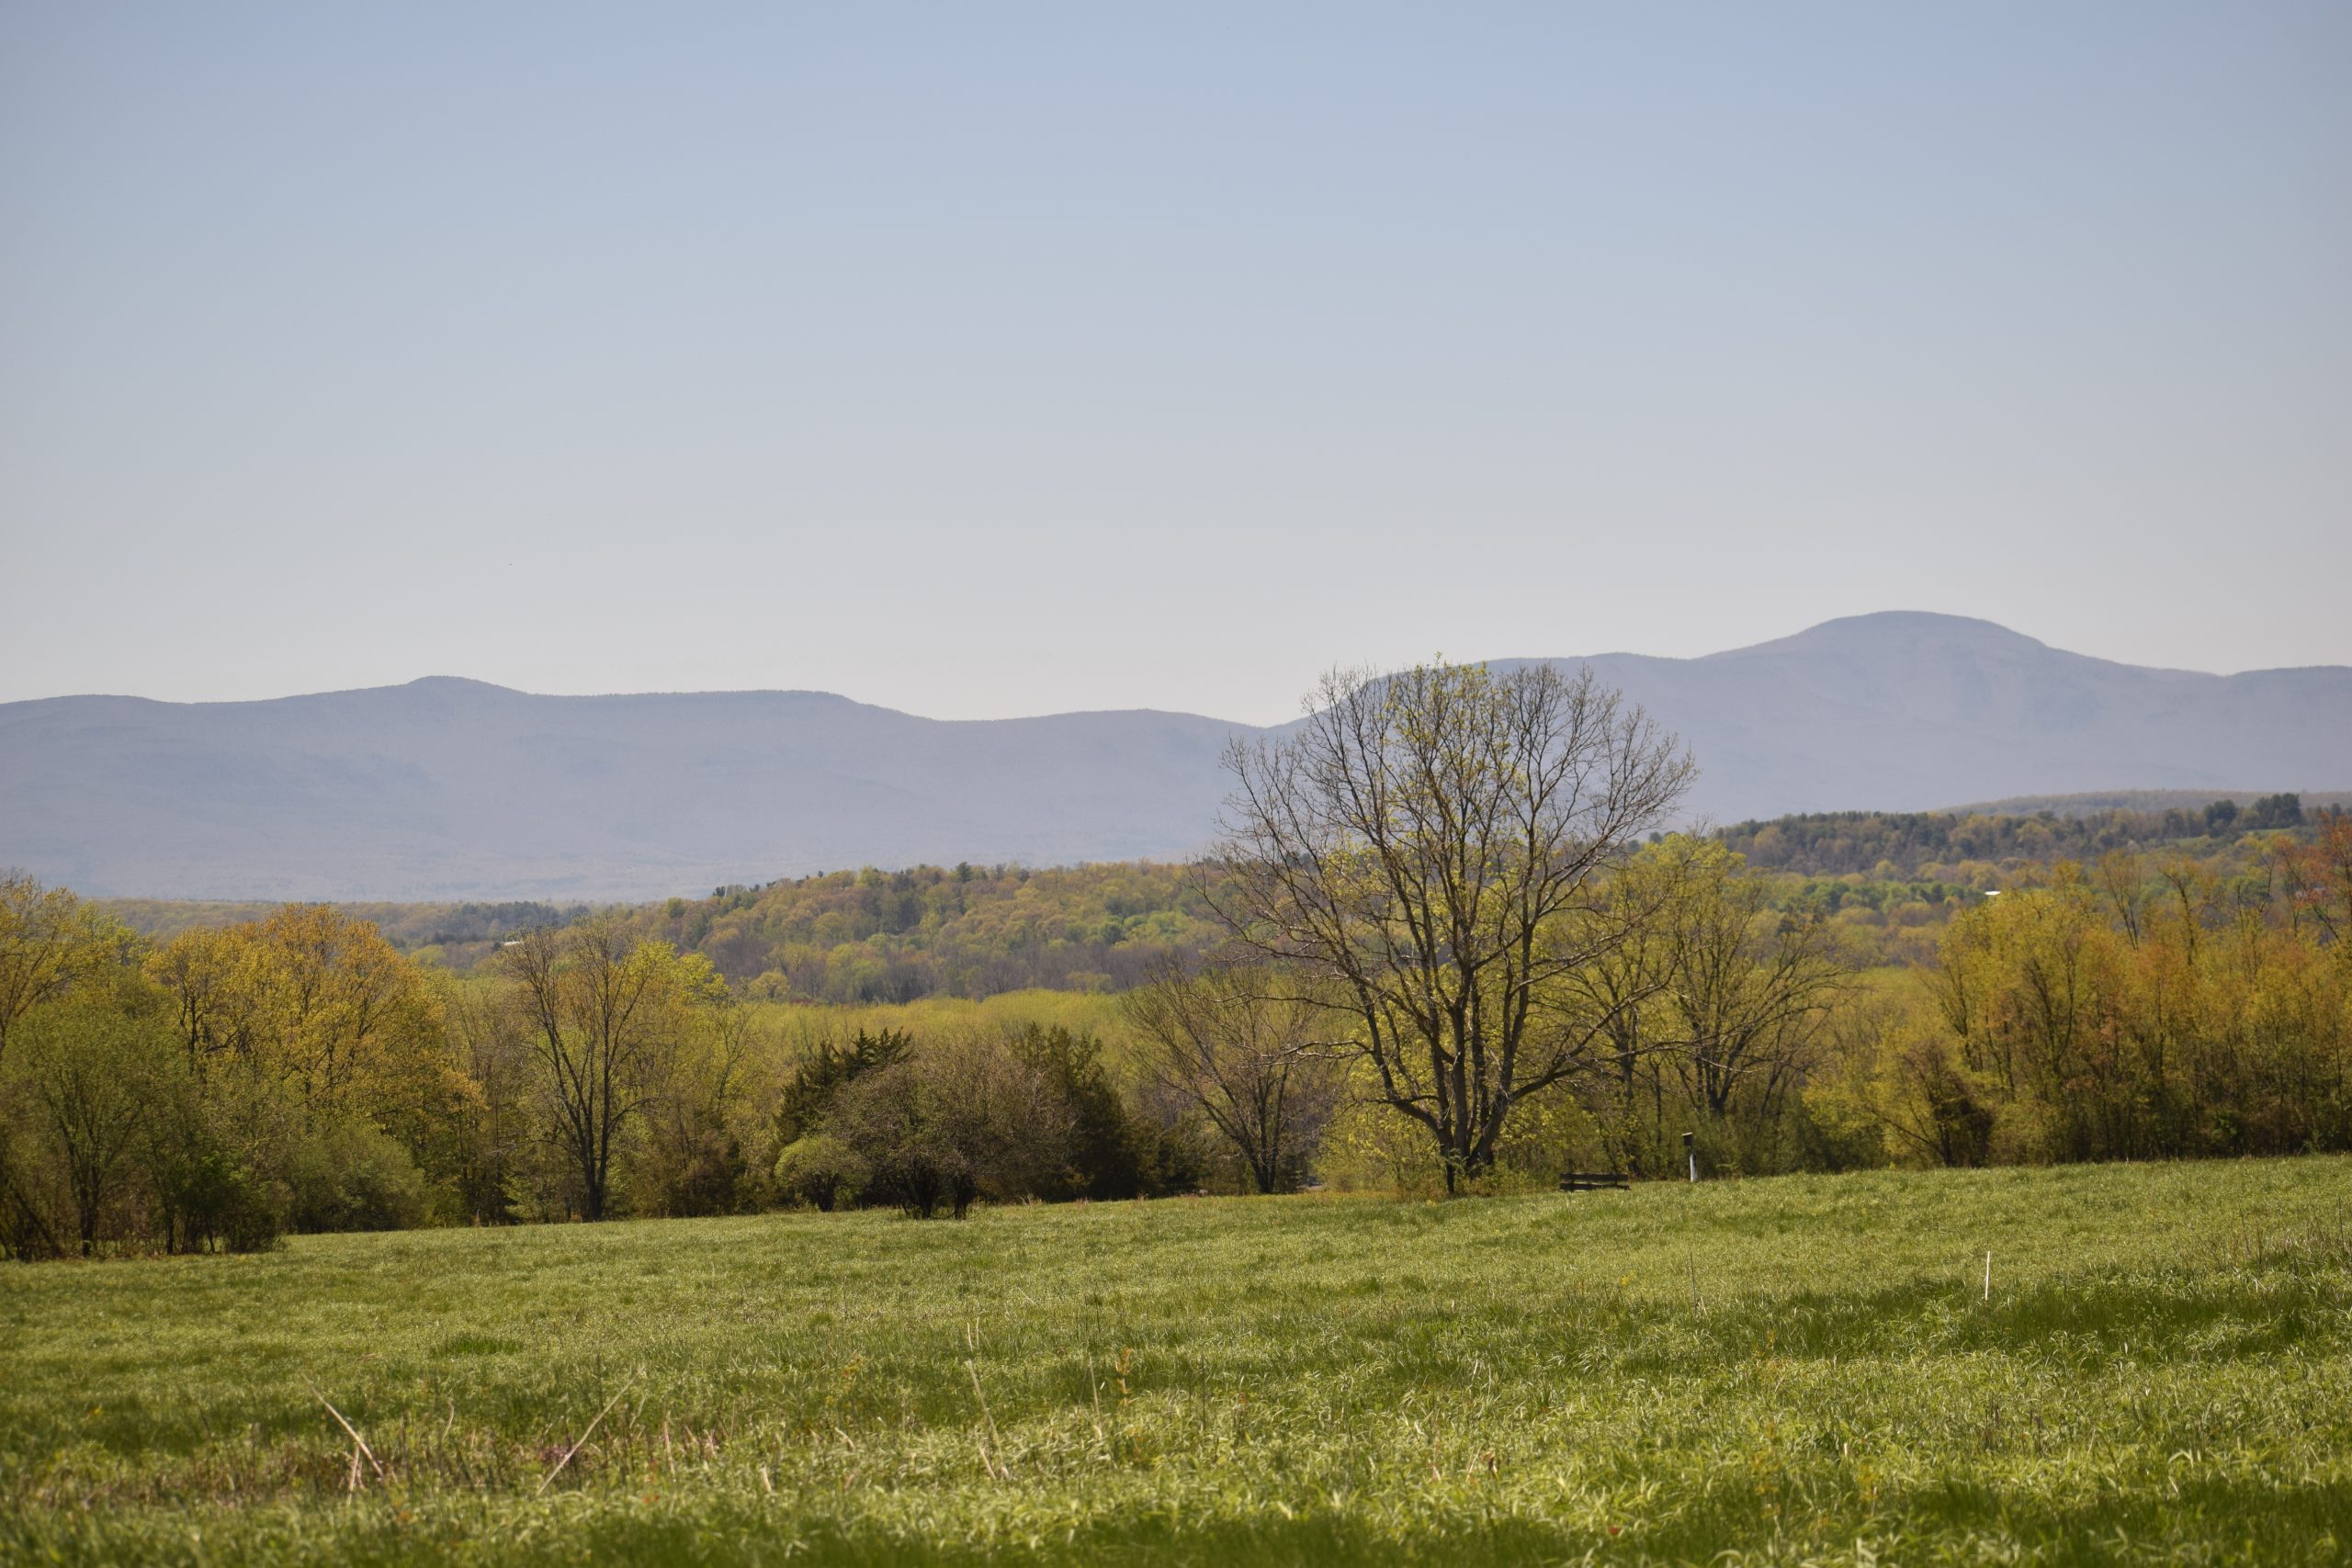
x=1751, y=986
x=1434, y=846
x=607, y=1012
x=489, y=1130
x=1714, y=991
x=1240, y=1043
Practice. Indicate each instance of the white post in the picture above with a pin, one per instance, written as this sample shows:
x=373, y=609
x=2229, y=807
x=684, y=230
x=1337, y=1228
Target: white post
x=1690, y=1149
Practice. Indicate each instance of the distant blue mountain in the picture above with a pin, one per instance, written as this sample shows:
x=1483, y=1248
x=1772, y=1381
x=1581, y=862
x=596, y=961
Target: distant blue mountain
x=451, y=788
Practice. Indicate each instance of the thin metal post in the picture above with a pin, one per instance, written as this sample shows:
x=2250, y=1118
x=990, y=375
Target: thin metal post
x=1691, y=1150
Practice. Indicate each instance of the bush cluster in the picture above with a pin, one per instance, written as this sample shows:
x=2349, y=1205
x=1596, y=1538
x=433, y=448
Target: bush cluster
x=1029, y=1114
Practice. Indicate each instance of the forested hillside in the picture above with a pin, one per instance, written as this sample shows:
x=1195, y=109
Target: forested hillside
x=865, y=937
x=1969, y=846
x=846, y=937
x=973, y=932
x=2155, y=801
x=458, y=934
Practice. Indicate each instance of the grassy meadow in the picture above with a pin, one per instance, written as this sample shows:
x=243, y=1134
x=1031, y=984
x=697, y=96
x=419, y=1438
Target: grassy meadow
x=1799, y=1370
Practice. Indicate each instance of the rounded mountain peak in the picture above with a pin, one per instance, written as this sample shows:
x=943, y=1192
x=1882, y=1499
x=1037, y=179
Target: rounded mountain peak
x=1890, y=630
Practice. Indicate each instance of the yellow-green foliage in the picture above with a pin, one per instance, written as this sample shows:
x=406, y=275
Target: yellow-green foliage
x=1804, y=1369
x=795, y=1028
x=1972, y=847
x=2113, y=1016
x=1076, y=1010
x=894, y=936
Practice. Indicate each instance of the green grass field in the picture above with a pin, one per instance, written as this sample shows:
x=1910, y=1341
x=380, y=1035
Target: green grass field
x=1795, y=1370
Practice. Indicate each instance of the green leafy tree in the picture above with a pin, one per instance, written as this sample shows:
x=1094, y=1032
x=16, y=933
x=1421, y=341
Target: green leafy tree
x=90, y=1075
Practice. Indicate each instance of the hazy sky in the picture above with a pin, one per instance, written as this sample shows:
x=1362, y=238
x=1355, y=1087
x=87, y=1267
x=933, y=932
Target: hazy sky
x=1008, y=358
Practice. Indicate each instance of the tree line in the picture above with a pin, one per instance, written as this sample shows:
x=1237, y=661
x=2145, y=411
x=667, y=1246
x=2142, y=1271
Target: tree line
x=1445, y=940
x=298, y=1074
x=2128, y=1009
x=1969, y=847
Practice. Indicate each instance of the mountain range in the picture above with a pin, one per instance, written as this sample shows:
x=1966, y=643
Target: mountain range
x=450, y=788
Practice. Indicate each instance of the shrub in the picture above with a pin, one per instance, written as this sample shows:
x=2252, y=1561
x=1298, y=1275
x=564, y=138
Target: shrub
x=955, y=1122
x=350, y=1176
x=820, y=1170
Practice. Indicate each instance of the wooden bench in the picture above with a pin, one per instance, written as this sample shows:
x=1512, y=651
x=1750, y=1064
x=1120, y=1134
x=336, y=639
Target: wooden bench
x=1592, y=1180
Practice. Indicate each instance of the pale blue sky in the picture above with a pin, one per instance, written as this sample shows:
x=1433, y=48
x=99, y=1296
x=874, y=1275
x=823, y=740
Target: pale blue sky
x=992, y=360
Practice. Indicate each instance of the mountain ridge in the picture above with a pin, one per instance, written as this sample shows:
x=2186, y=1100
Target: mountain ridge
x=447, y=787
